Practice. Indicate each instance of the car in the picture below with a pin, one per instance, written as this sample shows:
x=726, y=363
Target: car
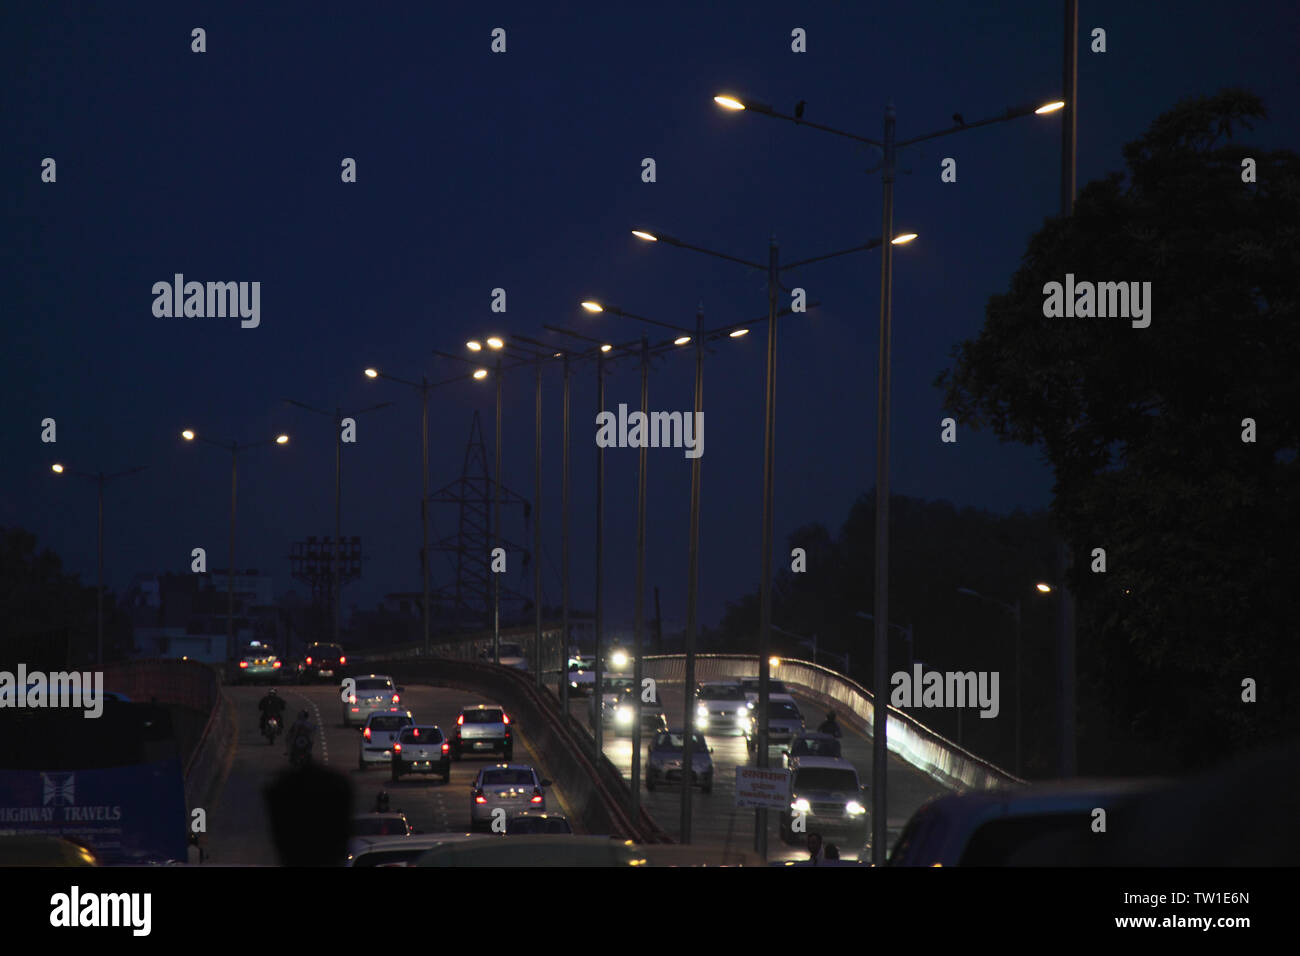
x=379, y=736
x=827, y=791
x=546, y=849
x=614, y=688
x=776, y=690
x=582, y=675
x=721, y=706
x=812, y=743
x=372, y=694
x=509, y=654
x=784, y=723
x=258, y=662
x=422, y=749
x=508, y=787
x=623, y=716
x=365, y=828
x=1041, y=825
x=665, y=762
x=44, y=849
x=321, y=662
x=482, y=728
x=534, y=821
x=398, y=850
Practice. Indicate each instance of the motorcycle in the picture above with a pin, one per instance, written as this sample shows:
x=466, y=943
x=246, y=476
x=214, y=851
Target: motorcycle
x=300, y=752
x=271, y=729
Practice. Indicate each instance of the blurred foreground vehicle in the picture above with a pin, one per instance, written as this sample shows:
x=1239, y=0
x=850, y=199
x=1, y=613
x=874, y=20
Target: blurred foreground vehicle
x=532, y=850
x=34, y=850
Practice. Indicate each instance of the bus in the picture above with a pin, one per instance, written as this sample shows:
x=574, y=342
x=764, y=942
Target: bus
x=113, y=783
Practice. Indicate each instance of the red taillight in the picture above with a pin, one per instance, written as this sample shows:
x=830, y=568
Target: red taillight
x=397, y=748
x=505, y=718
x=343, y=660
x=366, y=733
x=276, y=664
x=478, y=797
x=446, y=747
x=309, y=660
x=243, y=663
x=396, y=698
x=460, y=720
x=352, y=698
x=537, y=795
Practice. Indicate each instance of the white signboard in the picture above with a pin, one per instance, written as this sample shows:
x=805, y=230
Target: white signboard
x=767, y=788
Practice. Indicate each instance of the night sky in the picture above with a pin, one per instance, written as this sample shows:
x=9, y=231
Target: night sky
x=523, y=171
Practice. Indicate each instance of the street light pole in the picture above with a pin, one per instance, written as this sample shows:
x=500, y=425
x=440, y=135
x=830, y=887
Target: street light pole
x=692, y=591
x=765, y=579
x=496, y=530
x=599, y=719
x=537, y=538
x=230, y=577
x=337, y=586
x=99, y=580
x=640, y=585
x=564, y=551
x=424, y=505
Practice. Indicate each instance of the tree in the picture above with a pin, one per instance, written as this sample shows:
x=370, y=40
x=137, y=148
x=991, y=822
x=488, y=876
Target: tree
x=1143, y=428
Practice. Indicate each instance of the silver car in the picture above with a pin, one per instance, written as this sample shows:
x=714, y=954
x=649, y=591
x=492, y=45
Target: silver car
x=374, y=694
x=721, y=707
x=784, y=723
x=509, y=787
x=665, y=763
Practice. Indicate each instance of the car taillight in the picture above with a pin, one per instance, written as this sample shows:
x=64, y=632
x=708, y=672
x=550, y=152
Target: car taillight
x=397, y=748
x=505, y=718
x=343, y=660
x=396, y=698
x=478, y=797
x=460, y=720
x=446, y=747
x=276, y=664
x=309, y=660
x=243, y=663
x=366, y=733
x=537, y=795
x=352, y=698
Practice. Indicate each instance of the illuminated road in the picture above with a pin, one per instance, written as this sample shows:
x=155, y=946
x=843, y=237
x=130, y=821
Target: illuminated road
x=237, y=825
x=716, y=821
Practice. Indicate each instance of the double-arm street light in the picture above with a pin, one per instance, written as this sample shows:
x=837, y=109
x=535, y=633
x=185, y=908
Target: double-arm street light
x=423, y=386
x=234, y=448
x=889, y=149
x=336, y=586
x=773, y=270
x=100, y=479
x=1014, y=610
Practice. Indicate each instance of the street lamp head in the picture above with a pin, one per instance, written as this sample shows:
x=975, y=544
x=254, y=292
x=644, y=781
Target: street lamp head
x=188, y=434
x=606, y=348
x=57, y=469
x=681, y=340
x=282, y=439
x=904, y=238
x=737, y=333
x=1050, y=107
x=647, y=236
x=474, y=345
x=372, y=373
x=728, y=102
x=495, y=343
x=480, y=373
x=1044, y=588
x=592, y=306
x=774, y=661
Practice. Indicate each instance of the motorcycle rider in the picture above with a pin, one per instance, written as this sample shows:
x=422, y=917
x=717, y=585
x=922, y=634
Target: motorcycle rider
x=272, y=703
x=830, y=725
x=303, y=730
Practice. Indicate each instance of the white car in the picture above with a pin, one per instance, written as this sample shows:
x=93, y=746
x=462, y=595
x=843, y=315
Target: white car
x=505, y=786
x=667, y=752
x=722, y=707
x=374, y=694
x=397, y=850
x=378, y=737
x=831, y=799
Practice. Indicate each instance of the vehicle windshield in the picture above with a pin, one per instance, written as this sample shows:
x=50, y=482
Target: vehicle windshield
x=721, y=692
x=324, y=650
x=421, y=735
x=815, y=746
x=389, y=721
x=825, y=778
x=582, y=663
x=508, y=778
x=373, y=684
x=783, y=710
x=477, y=716
x=378, y=826
x=676, y=742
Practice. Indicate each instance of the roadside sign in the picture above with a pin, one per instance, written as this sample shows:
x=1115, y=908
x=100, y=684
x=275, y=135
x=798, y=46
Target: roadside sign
x=765, y=788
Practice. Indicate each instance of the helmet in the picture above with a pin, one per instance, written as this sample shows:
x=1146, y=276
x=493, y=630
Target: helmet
x=271, y=692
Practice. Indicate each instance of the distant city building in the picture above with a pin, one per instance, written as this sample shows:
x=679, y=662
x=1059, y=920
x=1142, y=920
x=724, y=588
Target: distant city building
x=184, y=615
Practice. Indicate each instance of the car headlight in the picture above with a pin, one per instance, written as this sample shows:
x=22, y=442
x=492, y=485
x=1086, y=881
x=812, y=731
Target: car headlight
x=623, y=715
x=801, y=806
x=702, y=710
x=742, y=717
x=854, y=808
x=749, y=704
x=619, y=660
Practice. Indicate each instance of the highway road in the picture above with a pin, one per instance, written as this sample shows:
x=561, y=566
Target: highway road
x=237, y=825
x=714, y=818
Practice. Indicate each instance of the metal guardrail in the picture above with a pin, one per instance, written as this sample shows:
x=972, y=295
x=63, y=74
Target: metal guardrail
x=914, y=742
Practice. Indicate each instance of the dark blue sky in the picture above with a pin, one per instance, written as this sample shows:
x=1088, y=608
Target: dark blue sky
x=522, y=171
